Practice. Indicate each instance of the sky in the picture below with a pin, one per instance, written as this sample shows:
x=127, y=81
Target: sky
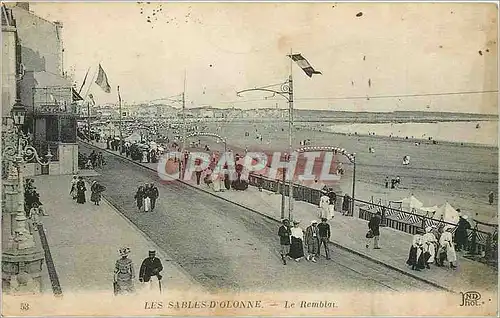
x=390, y=49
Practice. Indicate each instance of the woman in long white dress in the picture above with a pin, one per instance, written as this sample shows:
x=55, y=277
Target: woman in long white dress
x=216, y=181
x=430, y=244
x=297, y=242
x=447, y=246
x=324, y=207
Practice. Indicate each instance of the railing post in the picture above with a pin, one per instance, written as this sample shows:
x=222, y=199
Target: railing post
x=383, y=219
x=473, y=242
x=488, y=248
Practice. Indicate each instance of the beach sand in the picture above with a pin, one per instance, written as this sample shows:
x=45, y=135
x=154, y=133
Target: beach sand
x=462, y=175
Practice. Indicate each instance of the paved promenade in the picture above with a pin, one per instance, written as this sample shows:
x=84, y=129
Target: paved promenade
x=349, y=233
x=84, y=240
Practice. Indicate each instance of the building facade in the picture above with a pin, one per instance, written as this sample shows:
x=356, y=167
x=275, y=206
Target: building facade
x=47, y=93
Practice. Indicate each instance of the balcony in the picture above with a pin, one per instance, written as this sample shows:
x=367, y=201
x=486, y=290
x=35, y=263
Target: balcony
x=55, y=100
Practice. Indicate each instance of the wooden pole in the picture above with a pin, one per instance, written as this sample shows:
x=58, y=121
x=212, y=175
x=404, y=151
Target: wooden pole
x=290, y=145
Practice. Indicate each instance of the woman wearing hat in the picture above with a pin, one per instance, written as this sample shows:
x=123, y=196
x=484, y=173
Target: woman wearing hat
x=416, y=255
x=73, y=191
x=430, y=245
x=447, y=247
x=124, y=273
x=96, y=189
x=80, y=191
x=297, y=242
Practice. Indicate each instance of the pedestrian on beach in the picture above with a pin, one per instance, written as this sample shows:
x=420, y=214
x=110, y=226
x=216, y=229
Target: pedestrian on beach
x=461, y=232
x=73, y=191
x=312, y=241
x=324, y=237
x=153, y=195
x=80, y=191
x=96, y=192
x=374, y=227
x=284, y=235
x=124, y=274
x=447, y=248
x=490, y=197
x=297, y=242
x=150, y=271
x=416, y=255
x=139, y=197
x=386, y=182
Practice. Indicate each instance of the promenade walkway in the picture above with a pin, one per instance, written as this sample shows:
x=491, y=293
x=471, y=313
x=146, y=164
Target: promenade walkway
x=349, y=233
x=84, y=240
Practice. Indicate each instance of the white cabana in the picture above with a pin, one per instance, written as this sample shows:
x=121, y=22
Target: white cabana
x=134, y=138
x=410, y=203
x=447, y=213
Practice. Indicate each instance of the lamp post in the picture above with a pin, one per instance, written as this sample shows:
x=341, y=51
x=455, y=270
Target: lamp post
x=22, y=259
x=285, y=91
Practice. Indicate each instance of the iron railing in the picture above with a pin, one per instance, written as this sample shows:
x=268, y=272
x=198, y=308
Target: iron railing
x=480, y=242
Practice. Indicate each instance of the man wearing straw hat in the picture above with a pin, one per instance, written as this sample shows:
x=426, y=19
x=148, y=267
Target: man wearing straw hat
x=312, y=241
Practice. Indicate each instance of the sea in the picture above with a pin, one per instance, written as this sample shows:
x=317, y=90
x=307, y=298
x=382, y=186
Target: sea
x=472, y=132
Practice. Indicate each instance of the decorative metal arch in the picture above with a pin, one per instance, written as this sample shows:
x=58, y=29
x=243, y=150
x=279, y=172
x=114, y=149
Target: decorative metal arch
x=336, y=150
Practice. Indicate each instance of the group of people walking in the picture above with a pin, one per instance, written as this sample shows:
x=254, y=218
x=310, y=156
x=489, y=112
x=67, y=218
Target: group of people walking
x=427, y=249
x=91, y=161
x=146, y=197
x=78, y=190
x=293, y=239
x=32, y=205
x=328, y=202
x=124, y=273
x=436, y=245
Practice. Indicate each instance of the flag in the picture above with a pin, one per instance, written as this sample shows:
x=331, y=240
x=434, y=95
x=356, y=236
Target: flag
x=102, y=80
x=304, y=64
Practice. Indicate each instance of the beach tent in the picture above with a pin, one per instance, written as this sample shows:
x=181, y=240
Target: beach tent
x=448, y=213
x=428, y=210
x=410, y=203
x=135, y=137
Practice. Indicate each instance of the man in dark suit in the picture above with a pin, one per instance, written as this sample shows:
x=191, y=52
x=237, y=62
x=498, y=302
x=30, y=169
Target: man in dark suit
x=153, y=195
x=324, y=236
x=151, y=267
x=284, y=234
x=374, y=226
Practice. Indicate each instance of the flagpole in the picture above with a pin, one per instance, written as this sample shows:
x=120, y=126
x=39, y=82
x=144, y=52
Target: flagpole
x=88, y=104
x=120, y=118
x=183, y=125
x=84, y=80
x=290, y=131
